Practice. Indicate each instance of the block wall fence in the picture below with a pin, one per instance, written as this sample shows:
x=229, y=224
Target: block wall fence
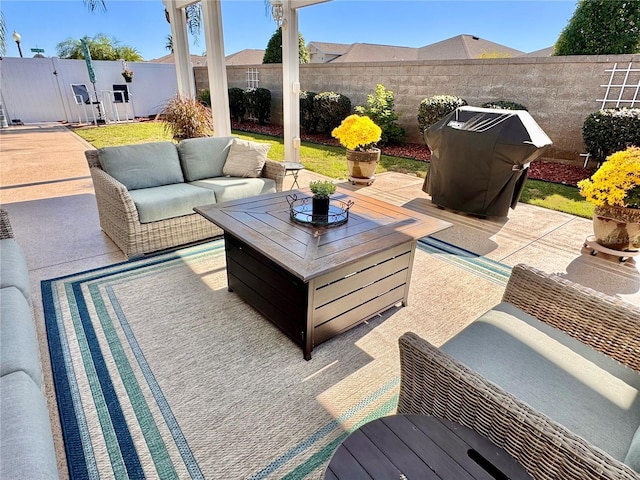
x=559, y=92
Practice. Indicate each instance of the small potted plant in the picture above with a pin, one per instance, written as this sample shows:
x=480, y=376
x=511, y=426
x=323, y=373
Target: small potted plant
x=359, y=135
x=615, y=191
x=322, y=191
x=128, y=75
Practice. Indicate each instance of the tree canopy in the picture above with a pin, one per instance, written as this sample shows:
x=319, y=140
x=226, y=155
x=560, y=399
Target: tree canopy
x=601, y=27
x=101, y=47
x=273, y=52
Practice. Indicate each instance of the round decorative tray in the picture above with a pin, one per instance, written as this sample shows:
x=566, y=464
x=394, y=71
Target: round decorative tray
x=301, y=211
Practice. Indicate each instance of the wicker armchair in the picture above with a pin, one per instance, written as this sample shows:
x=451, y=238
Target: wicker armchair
x=434, y=383
x=119, y=216
x=5, y=225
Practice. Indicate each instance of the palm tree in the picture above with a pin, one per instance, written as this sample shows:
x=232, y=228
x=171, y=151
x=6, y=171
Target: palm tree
x=169, y=44
x=94, y=5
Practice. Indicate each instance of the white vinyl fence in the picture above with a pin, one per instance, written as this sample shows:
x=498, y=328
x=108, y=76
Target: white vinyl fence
x=39, y=89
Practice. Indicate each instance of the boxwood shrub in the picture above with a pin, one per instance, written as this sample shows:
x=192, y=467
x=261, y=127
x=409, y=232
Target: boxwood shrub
x=330, y=108
x=258, y=104
x=308, y=120
x=205, y=97
x=237, y=108
x=505, y=105
x=434, y=108
x=611, y=130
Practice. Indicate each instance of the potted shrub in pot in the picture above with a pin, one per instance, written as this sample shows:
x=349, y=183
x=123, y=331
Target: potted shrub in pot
x=615, y=191
x=359, y=135
x=322, y=191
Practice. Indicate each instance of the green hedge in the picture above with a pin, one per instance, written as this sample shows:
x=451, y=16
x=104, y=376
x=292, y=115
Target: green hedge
x=308, y=120
x=505, y=105
x=330, y=108
x=258, y=103
x=611, y=130
x=433, y=108
x=237, y=107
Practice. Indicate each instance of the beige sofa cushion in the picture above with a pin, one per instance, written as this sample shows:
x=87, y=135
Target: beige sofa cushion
x=245, y=159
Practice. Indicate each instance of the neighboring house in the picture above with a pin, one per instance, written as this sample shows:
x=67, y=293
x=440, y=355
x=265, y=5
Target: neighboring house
x=465, y=47
x=367, y=52
x=247, y=56
x=196, y=60
x=323, y=52
x=459, y=47
x=543, y=52
x=243, y=57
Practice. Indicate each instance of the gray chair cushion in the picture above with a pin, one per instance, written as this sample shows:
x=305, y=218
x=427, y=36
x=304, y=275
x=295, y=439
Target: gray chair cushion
x=13, y=267
x=633, y=455
x=169, y=201
x=18, y=341
x=203, y=157
x=142, y=166
x=589, y=393
x=26, y=442
x=233, y=188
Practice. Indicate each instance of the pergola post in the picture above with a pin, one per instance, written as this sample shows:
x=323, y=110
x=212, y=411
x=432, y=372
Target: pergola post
x=216, y=67
x=182, y=58
x=290, y=83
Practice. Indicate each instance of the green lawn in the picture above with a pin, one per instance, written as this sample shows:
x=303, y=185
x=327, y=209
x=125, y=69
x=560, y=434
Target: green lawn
x=330, y=161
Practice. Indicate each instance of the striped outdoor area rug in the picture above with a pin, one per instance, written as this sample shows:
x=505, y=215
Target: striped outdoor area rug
x=160, y=372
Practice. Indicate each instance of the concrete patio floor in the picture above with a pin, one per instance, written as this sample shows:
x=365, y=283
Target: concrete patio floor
x=46, y=188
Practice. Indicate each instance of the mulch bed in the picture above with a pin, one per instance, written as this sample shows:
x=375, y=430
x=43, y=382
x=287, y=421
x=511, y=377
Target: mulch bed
x=539, y=170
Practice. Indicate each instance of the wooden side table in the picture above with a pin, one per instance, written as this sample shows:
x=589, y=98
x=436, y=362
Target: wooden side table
x=293, y=168
x=407, y=447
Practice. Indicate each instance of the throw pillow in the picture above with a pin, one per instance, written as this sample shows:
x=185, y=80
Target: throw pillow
x=245, y=158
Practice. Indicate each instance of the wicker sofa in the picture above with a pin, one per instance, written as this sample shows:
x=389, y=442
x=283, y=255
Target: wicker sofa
x=26, y=441
x=551, y=375
x=146, y=193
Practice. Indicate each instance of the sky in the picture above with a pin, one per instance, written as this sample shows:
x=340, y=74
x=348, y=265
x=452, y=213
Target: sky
x=521, y=24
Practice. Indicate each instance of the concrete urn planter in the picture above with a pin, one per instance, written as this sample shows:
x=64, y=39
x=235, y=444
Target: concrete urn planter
x=362, y=165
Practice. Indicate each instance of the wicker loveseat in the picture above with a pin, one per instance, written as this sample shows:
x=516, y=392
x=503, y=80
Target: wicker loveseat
x=559, y=392
x=146, y=193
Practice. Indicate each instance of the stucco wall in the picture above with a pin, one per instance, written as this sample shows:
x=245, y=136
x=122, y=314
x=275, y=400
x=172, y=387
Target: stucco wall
x=559, y=92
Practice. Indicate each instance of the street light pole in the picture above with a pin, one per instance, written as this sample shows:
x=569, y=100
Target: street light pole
x=17, y=38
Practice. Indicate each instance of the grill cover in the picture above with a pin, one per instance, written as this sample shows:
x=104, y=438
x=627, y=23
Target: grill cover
x=480, y=159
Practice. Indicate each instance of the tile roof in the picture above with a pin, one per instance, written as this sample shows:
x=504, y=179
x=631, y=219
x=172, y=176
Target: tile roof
x=367, y=52
x=195, y=59
x=543, y=52
x=247, y=56
x=243, y=57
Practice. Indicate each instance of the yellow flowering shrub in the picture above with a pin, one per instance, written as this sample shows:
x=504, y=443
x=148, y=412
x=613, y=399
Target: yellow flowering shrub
x=616, y=182
x=357, y=133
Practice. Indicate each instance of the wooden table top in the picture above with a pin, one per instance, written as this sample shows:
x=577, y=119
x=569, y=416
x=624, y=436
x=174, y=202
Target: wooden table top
x=420, y=447
x=308, y=251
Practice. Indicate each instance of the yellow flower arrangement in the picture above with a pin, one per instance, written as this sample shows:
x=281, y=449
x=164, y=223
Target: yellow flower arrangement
x=358, y=133
x=616, y=182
